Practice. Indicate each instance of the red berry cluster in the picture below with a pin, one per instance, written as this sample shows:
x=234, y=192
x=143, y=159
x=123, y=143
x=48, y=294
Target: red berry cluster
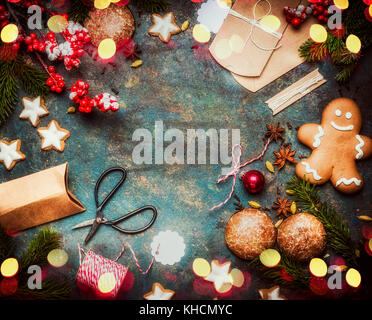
x=296, y=16
x=55, y=81
x=79, y=94
x=34, y=44
x=4, y=14
x=29, y=3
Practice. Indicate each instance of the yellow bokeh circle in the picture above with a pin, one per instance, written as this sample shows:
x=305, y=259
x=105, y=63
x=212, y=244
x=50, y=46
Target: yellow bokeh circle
x=271, y=22
x=341, y=4
x=318, y=267
x=201, y=33
x=101, y=4
x=57, y=23
x=106, y=282
x=270, y=258
x=9, y=267
x=353, y=43
x=318, y=33
x=57, y=258
x=9, y=33
x=107, y=48
x=201, y=267
x=353, y=278
x=237, y=277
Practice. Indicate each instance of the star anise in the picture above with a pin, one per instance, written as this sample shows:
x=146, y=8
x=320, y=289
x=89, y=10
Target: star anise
x=284, y=154
x=282, y=206
x=274, y=132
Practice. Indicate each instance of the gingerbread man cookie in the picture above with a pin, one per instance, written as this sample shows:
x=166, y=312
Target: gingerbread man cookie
x=336, y=144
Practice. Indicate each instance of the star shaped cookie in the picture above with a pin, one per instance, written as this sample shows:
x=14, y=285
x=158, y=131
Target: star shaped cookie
x=53, y=136
x=33, y=110
x=164, y=26
x=271, y=294
x=219, y=274
x=10, y=153
x=159, y=293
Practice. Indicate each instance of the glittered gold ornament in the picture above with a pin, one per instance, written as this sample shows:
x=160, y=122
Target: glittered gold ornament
x=302, y=236
x=115, y=23
x=249, y=232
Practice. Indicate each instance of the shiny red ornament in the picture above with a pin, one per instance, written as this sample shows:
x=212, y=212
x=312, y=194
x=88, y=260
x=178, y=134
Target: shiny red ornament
x=253, y=181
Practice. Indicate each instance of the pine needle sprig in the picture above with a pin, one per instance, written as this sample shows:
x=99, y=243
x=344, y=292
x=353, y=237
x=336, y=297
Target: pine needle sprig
x=296, y=276
x=78, y=12
x=32, y=79
x=151, y=5
x=8, y=90
x=338, y=232
x=51, y=290
x=42, y=243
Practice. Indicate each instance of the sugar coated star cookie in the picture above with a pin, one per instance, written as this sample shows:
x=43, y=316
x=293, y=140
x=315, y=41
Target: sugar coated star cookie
x=164, y=26
x=159, y=293
x=10, y=153
x=33, y=110
x=53, y=136
x=336, y=144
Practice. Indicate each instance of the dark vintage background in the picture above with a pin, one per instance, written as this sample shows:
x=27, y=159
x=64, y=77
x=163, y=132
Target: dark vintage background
x=184, y=88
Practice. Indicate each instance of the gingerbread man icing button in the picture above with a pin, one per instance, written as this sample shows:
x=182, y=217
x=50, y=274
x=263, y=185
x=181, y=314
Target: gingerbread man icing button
x=336, y=144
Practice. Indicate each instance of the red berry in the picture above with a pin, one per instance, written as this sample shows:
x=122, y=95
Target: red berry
x=53, y=87
x=59, y=89
x=51, y=69
x=28, y=40
x=296, y=22
x=29, y=48
x=288, y=18
x=33, y=35
x=320, y=9
x=15, y=46
x=61, y=84
x=74, y=88
x=50, y=82
x=320, y=18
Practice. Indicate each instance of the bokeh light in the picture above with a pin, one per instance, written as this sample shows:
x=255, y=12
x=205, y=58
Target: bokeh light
x=237, y=277
x=57, y=258
x=107, y=48
x=101, y=4
x=57, y=23
x=353, y=43
x=318, y=33
x=319, y=286
x=9, y=33
x=271, y=22
x=341, y=4
x=201, y=267
x=9, y=267
x=222, y=49
x=368, y=247
x=318, y=268
x=224, y=3
x=236, y=43
x=106, y=282
x=353, y=278
x=201, y=33
x=367, y=231
x=8, y=286
x=223, y=288
x=367, y=2
x=270, y=258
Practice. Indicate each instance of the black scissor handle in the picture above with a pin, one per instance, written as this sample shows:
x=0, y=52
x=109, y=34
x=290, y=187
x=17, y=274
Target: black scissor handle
x=104, y=175
x=131, y=214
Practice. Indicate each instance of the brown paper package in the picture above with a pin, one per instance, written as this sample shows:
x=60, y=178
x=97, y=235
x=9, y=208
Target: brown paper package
x=37, y=199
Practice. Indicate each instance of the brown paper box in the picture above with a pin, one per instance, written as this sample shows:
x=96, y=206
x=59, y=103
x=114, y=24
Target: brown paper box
x=282, y=60
x=37, y=199
x=251, y=60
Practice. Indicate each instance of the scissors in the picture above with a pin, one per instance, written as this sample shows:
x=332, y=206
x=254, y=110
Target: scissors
x=100, y=219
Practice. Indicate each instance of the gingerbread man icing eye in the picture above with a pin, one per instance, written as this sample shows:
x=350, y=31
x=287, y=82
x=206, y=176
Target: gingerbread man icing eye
x=338, y=113
x=348, y=115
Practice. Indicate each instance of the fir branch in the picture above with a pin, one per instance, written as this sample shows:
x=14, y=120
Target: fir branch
x=345, y=73
x=46, y=240
x=151, y=5
x=78, y=12
x=32, y=79
x=8, y=90
x=338, y=233
x=51, y=290
x=313, y=52
x=297, y=277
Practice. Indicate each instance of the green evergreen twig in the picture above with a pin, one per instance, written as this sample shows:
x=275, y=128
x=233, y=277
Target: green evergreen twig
x=151, y=5
x=51, y=290
x=8, y=90
x=78, y=11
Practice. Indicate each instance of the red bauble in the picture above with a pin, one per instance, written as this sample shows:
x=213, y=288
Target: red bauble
x=296, y=22
x=253, y=181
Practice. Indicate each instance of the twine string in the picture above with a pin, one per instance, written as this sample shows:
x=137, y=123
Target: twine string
x=237, y=166
x=255, y=22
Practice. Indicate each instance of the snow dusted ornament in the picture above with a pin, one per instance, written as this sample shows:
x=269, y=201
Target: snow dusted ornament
x=213, y=13
x=70, y=50
x=168, y=247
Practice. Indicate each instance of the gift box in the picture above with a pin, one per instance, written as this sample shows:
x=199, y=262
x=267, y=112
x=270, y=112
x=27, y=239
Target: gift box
x=36, y=199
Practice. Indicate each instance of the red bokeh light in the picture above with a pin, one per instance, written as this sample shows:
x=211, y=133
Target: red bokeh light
x=367, y=231
x=319, y=286
x=8, y=286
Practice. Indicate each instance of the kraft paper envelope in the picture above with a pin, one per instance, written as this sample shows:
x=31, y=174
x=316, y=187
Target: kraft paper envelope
x=248, y=60
x=282, y=60
x=37, y=199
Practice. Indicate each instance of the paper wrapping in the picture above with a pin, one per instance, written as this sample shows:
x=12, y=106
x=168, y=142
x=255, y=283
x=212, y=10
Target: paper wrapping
x=37, y=199
x=251, y=60
x=295, y=91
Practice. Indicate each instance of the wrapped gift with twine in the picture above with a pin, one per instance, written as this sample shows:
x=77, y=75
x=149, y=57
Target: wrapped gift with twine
x=36, y=199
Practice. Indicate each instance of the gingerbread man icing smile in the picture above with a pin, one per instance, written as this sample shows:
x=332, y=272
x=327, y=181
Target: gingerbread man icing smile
x=336, y=144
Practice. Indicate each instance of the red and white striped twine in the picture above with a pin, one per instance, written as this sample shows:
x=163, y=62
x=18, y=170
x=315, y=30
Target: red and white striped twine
x=236, y=168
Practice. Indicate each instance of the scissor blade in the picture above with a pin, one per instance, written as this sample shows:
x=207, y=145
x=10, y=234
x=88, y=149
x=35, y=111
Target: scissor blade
x=83, y=224
x=92, y=231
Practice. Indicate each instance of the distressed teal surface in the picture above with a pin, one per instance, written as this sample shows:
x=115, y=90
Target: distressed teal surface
x=185, y=92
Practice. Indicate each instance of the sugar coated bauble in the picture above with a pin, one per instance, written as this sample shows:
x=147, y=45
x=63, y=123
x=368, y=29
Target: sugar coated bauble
x=115, y=23
x=302, y=236
x=249, y=232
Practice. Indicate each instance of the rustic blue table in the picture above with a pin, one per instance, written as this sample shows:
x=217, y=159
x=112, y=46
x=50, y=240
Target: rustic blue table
x=184, y=92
